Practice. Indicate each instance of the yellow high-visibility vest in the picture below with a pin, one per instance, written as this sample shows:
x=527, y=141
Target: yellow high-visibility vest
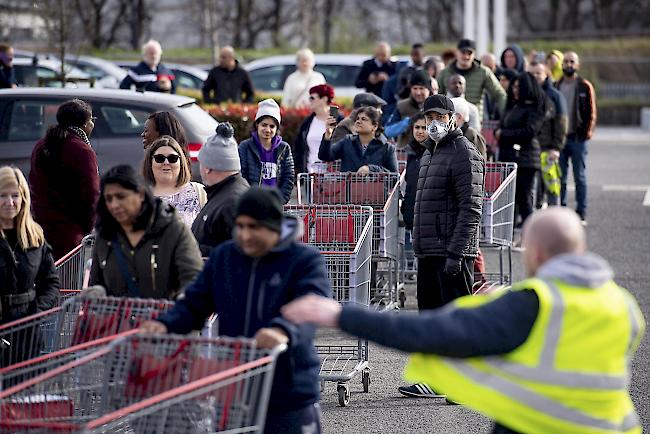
x=569, y=376
x=551, y=174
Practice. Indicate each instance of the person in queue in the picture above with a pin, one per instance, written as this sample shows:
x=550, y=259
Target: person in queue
x=167, y=170
x=364, y=152
x=30, y=281
x=64, y=178
x=142, y=248
x=246, y=281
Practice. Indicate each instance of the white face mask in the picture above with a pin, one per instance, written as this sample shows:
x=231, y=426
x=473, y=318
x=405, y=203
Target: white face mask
x=437, y=130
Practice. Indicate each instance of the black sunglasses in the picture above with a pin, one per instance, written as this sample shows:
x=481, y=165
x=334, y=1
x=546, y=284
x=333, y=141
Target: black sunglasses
x=160, y=158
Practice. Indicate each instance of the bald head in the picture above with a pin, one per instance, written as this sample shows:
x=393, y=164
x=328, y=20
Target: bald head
x=382, y=52
x=570, y=63
x=227, y=57
x=551, y=232
x=489, y=60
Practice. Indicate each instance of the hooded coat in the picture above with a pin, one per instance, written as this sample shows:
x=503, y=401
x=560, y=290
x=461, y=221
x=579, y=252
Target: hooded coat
x=251, y=165
x=163, y=262
x=519, y=55
x=379, y=156
x=247, y=294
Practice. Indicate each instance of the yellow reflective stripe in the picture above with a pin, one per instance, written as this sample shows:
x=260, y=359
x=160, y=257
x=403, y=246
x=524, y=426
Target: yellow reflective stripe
x=559, y=378
x=545, y=371
x=541, y=403
x=554, y=326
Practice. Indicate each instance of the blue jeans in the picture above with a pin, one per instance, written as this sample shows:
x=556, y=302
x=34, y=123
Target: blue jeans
x=576, y=150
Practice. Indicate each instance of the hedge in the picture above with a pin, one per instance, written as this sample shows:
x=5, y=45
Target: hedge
x=242, y=117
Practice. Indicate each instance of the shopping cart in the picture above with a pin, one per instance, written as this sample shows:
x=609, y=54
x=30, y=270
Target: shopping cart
x=343, y=235
x=74, y=266
x=381, y=192
x=497, y=220
x=80, y=319
x=148, y=384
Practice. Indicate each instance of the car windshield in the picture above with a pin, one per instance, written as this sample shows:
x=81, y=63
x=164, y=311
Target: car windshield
x=197, y=120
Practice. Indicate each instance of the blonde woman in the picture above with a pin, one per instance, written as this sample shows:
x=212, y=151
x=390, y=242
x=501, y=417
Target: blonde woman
x=167, y=170
x=295, y=93
x=29, y=282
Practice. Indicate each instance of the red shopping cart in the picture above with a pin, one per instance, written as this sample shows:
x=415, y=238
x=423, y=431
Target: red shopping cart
x=80, y=319
x=381, y=191
x=343, y=235
x=148, y=384
x=74, y=266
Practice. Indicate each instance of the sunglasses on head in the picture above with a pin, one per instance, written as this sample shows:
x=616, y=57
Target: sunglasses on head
x=160, y=158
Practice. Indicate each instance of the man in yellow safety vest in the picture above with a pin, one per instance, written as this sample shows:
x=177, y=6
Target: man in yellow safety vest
x=550, y=356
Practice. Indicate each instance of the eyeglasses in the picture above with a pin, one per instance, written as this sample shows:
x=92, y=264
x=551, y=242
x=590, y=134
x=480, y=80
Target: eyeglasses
x=312, y=97
x=160, y=158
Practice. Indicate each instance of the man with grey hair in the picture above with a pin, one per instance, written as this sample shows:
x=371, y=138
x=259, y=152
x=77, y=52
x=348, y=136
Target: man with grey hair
x=228, y=81
x=550, y=355
x=150, y=75
x=374, y=72
x=220, y=169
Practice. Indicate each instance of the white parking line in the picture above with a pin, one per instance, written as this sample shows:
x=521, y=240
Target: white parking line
x=623, y=187
x=646, y=198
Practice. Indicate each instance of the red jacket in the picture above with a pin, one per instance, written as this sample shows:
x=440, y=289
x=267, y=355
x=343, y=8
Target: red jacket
x=65, y=193
x=585, y=105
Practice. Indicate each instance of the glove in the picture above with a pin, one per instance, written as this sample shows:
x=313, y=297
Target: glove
x=452, y=266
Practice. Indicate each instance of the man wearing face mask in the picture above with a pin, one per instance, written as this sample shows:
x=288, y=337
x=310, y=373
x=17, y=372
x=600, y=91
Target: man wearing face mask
x=581, y=111
x=447, y=214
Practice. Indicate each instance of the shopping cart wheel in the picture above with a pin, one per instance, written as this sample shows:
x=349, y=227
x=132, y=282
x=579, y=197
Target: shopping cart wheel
x=365, y=380
x=344, y=394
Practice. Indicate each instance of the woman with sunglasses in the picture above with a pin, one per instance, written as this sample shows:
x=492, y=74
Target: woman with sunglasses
x=142, y=248
x=64, y=178
x=167, y=171
x=364, y=152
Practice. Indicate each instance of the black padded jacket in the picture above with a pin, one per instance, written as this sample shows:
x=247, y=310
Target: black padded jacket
x=449, y=198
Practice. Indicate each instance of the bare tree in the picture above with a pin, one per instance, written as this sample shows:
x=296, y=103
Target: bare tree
x=139, y=17
x=101, y=20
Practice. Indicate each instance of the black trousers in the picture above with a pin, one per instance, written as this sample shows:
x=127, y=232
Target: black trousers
x=435, y=288
x=303, y=421
x=525, y=191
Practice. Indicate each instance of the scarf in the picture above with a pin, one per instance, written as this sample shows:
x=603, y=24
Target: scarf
x=81, y=133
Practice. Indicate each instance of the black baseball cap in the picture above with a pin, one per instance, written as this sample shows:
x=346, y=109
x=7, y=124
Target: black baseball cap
x=467, y=44
x=439, y=104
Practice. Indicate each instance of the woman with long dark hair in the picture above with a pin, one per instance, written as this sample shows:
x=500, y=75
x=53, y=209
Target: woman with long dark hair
x=142, y=247
x=64, y=178
x=517, y=136
x=364, y=152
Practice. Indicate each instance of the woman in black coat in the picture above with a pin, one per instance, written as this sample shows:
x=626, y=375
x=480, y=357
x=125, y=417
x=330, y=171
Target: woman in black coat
x=517, y=136
x=29, y=282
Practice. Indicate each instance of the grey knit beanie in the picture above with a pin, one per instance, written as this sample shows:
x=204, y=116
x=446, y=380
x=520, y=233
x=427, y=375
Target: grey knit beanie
x=220, y=151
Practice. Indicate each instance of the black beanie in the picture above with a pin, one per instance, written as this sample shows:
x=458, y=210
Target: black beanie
x=264, y=205
x=420, y=78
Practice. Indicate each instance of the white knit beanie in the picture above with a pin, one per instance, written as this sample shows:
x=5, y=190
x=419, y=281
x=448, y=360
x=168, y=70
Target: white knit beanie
x=268, y=107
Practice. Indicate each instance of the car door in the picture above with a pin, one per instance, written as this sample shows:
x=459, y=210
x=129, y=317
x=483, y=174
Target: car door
x=271, y=78
x=118, y=130
x=23, y=122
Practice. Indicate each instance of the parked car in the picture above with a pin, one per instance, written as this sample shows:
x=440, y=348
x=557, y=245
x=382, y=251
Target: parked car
x=187, y=76
x=340, y=70
x=107, y=74
x=30, y=70
x=26, y=113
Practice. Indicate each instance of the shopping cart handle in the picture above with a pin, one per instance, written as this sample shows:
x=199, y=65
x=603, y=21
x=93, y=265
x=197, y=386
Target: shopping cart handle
x=278, y=349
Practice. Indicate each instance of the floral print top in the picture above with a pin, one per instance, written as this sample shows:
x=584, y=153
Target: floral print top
x=186, y=203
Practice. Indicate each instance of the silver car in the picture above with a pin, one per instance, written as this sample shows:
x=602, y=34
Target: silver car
x=25, y=115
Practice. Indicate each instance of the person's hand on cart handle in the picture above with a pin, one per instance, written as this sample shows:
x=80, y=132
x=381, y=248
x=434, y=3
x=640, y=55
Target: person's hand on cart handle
x=363, y=170
x=330, y=124
x=153, y=327
x=270, y=337
x=313, y=309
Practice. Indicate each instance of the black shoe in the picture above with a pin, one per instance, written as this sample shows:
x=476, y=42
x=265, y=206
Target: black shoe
x=419, y=390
